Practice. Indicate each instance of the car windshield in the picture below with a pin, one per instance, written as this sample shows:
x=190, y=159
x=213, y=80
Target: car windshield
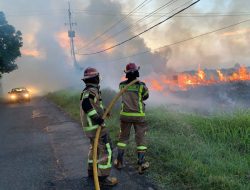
x=19, y=90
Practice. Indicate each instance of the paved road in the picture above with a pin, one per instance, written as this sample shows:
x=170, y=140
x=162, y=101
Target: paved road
x=42, y=148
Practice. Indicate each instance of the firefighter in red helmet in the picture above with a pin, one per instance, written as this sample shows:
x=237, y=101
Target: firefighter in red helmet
x=133, y=114
x=91, y=116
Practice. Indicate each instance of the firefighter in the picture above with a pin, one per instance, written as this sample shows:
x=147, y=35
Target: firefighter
x=91, y=114
x=133, y=114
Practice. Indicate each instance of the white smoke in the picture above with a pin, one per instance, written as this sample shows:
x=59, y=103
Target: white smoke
x=41, y=22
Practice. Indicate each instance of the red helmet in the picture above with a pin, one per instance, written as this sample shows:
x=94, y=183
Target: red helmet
x=90, y=73
x=131, y=67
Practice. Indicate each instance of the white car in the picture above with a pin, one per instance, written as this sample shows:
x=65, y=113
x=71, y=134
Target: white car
x=19, y=94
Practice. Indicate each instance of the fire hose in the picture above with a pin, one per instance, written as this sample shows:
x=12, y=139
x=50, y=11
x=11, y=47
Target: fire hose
x=95, y=172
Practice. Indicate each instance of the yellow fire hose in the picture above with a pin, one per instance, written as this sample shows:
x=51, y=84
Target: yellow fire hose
x=96, y=180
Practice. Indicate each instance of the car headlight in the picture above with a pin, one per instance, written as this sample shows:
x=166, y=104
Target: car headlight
x=13, y=97
x=26, y=95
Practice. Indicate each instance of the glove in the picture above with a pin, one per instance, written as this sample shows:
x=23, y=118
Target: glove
x=99, y=121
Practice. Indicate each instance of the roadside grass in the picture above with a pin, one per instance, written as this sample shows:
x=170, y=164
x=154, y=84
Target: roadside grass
x=186, y=151
x=68, y=100
x=198, y=152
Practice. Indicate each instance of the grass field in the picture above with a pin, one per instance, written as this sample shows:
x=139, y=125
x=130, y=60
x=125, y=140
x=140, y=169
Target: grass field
x=186, y=151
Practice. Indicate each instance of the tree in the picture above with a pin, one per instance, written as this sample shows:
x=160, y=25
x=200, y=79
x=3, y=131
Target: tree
x=10, y=44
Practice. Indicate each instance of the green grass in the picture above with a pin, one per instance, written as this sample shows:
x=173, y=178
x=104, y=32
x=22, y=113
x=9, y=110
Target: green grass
x=68, y=100
x=197, y=152
x=186, y=151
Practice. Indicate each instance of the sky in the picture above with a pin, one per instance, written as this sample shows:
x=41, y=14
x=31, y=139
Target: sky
x=46, y=63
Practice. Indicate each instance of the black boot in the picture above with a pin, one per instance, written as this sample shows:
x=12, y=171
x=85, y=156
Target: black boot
x=142, y=164
x=90, y=170
x=108, y=181
x=119, y=161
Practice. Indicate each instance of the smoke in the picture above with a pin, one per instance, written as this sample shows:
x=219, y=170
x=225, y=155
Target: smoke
x=207, y=100
x=216, y=50
x=46, y=63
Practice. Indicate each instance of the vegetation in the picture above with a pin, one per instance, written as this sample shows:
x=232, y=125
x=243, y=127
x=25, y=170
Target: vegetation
x=10, y=44
x=187, y=151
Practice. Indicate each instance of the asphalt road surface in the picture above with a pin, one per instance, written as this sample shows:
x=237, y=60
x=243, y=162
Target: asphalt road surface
x=42, y=148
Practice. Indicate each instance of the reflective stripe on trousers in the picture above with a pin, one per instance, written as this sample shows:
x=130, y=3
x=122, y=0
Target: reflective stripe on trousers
x=108, y=165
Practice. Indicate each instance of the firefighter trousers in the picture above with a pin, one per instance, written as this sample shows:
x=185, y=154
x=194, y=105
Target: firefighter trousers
x=104, y=152
x=140, y=131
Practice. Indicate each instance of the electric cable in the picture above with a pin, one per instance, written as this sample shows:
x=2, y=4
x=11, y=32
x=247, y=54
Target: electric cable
x=178, y=16
x=181, y=41
x=93, y=12
x=135, y=36
x=115, y=24
x=140, y=20
x=133, y=26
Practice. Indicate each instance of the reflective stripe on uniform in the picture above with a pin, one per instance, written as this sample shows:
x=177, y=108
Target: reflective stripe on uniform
x=85, y=94
x=132, y=114
x=142, y=148
x=90, y=128
x=140, y=99
x=135, y=114
x=101, y=105
x=91, y=113
x=132, y=88
x=123, y=145
x=145, y=93
x=89, y=121
x=90, y=161
x=108, y=165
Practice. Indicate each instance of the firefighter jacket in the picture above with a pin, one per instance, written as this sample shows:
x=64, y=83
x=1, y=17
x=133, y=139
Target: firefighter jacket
x=92, y=110
x=133, y=107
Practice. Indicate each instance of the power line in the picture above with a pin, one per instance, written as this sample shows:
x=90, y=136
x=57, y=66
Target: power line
x=183, y=15
x=214, y=15
x=121, y=31
x=169, y=3
x=115, y=24
x=141, y=32
x=61, y=12
x=181, y=41
x=110, y=13
x=141, y=19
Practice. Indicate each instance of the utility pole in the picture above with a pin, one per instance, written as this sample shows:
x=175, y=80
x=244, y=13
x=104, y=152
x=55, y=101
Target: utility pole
x=71, y=35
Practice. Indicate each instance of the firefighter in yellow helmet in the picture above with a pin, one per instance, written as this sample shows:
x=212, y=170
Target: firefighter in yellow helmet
x=133, y=114
x=91, y=114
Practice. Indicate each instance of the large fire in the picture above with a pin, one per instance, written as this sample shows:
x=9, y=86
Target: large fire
x=185, y=81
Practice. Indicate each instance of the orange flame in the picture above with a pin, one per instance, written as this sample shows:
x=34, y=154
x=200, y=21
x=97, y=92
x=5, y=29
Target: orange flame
x=185, y=81
x=155, y=85
x=30, y=52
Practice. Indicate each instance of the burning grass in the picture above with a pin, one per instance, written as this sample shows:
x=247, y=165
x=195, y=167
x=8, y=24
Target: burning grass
x=188, y=80
x=187, y=151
